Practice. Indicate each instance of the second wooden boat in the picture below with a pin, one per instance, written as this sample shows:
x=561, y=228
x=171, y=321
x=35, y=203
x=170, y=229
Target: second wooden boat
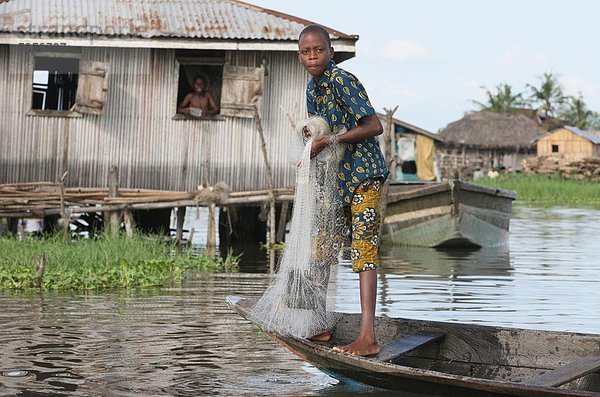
x=447, y=214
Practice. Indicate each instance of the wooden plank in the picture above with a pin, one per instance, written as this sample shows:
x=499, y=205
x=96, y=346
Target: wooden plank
x=407, y=344
x=567, y=373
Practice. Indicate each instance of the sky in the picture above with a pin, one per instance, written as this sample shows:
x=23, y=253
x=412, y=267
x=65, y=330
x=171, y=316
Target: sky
x=431, y=58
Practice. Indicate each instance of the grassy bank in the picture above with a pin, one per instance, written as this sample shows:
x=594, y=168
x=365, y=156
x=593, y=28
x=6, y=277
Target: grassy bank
x=108, y=262
x=548, y=190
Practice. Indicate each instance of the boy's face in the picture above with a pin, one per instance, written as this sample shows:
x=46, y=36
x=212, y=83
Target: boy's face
x=314, y=53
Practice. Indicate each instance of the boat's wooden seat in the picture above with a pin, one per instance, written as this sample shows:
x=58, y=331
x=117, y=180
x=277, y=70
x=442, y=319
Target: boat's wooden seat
x=407, y=344
x=567, y=373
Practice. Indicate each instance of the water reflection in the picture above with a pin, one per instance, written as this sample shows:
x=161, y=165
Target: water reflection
x=184, y=341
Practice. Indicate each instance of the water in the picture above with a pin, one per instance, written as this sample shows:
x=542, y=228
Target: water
x=184, y=341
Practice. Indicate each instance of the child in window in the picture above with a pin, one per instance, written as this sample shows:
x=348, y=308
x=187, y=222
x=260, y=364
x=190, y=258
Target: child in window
x=199, y=102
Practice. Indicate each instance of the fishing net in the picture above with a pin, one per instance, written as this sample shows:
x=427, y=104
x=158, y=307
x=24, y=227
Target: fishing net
x=295, y=302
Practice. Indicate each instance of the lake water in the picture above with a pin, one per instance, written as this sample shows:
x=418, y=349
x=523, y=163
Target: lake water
x=184, y=341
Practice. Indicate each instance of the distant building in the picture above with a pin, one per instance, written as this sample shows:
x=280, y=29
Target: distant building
x=569, y=143
x=487, y=140
x=90, y=84
x=413, y=152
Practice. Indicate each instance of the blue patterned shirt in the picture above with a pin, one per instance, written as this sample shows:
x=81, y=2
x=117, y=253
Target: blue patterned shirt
x=342, y=100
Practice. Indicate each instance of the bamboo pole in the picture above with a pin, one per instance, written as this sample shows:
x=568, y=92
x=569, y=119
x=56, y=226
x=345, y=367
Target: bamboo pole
x=269, y=176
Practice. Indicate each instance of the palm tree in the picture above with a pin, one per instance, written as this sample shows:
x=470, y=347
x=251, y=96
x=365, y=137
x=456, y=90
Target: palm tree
x=548, y=97
x=503, y=101
x=576, y=113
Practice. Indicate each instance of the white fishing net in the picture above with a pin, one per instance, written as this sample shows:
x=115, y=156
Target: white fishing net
x=295, y=303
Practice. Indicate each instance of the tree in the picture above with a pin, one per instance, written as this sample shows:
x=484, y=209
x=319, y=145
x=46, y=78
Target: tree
x=548, y=97
x=502, y=101
x=575, y=112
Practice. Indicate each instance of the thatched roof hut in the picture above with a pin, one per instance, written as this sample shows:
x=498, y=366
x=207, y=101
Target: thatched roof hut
x=490, y=130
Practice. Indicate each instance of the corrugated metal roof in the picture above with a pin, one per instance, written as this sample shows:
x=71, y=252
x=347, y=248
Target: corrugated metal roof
x=207, y=19
x=590, y=136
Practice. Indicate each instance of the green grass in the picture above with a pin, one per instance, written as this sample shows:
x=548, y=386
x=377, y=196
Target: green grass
x=548, y=190
x=112, y=261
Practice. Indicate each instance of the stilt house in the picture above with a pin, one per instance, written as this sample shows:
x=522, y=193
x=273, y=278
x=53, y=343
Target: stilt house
x=92, y=84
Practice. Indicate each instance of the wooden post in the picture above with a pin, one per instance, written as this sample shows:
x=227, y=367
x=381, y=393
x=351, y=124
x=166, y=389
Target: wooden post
x=40, y=265
x=113, y=191
x=269, y=176
x=211, y=235
x=390, y=156
x=65, y=219
x=282, y=221
x=180, y=219
x=65, y=143
x=21, y=229
x=128, y=221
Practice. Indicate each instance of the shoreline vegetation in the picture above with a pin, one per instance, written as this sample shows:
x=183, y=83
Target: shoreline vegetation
x=112, y=261
x=548, y=190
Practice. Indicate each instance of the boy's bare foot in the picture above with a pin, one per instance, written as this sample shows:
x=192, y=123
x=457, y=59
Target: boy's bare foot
x=322, y=337
x=359, y=348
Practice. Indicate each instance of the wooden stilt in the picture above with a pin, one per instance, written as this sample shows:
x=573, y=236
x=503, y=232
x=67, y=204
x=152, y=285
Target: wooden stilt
x=128, y=220
x=180, y=220
x=65, y=219
x=21, y=229
x=272, y=223
x=211, y=237
x=113, y=191
x=282, y=221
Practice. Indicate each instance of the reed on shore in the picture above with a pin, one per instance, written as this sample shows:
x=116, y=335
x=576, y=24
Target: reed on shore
x=548, y=190
x=111, y=261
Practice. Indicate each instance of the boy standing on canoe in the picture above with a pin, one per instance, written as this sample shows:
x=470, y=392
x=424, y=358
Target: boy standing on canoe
x=340, y=98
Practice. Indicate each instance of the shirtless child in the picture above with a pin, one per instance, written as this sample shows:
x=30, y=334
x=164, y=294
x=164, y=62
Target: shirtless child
x=200, y=102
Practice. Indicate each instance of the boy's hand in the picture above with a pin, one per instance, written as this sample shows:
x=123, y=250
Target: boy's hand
x=306, y=132
x=318, y=146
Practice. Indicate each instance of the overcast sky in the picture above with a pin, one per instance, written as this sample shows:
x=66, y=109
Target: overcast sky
x=430, y=57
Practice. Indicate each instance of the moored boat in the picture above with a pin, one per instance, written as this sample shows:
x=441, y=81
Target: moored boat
x=452, y=359
x=447, y=214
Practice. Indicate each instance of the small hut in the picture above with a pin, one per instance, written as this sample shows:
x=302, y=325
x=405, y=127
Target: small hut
x=570, y=143
x=487, y=140
x=413, y=152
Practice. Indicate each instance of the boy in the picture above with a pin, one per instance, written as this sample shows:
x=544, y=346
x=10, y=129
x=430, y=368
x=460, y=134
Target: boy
x=340, y=98
x=200, y=102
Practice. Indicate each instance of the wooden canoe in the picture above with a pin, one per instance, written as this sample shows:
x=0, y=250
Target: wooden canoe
x=447, y=214
x=450, y=359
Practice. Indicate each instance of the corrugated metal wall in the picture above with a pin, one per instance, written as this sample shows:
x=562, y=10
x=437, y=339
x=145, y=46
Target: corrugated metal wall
x=138, y=135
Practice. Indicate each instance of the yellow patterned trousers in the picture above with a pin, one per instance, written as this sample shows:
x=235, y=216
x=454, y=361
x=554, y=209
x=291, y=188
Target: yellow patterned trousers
x=365, y=221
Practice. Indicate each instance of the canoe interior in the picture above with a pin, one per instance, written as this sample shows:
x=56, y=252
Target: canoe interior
x=492, y=353
x=468, y=360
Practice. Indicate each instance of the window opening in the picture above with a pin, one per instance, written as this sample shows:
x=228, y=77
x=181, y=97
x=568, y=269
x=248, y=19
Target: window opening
x=54, y=84
x=199, y=89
